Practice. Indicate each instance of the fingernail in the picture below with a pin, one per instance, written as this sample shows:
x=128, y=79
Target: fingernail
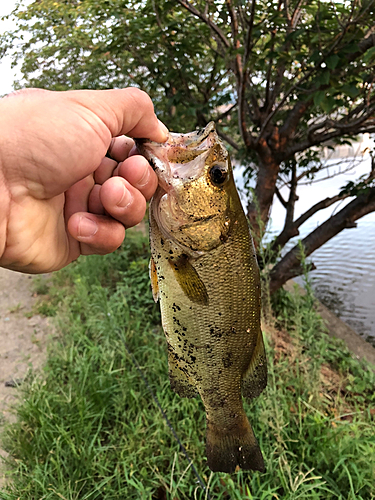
x=86, y=227
x=126, y=199
x=164, y=129
x=145, y=178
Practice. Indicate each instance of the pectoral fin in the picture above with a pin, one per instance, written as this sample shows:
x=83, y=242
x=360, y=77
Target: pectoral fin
x=255, y=377
x=189, y=280
x=154, y=280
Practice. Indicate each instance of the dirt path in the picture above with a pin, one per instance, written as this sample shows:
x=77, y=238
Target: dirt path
x=22, y=340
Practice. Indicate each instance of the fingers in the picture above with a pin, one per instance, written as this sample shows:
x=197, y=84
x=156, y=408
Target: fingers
x=136, y=170
x=124, y=111
x=105, y=170
x=115, y=200
x=120, y=147
x=123, y=201
x=98, y=234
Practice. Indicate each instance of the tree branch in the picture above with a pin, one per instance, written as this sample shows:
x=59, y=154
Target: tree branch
x=227, y=138
x=290, y=265
x=280, y=198
x=364, y=45
x=322, y=138
x=249, y=34
x=220, y=34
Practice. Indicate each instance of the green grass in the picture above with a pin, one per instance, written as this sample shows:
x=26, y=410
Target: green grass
x=88, y=428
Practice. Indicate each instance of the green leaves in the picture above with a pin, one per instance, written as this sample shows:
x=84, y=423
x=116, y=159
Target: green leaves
x=319, y=97
x=332, y=61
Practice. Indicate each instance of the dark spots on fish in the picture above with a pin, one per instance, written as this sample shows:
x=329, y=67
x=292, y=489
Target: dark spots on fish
x=176, y=320
x=227, y=360
x=219, y=313
x=193, y=359
x=184, y=329
x=175, y=307
x=216, y=332
x=152, y=163
x=161, y=241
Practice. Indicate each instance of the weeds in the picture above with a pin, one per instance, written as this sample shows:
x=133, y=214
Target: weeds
x=88, y=429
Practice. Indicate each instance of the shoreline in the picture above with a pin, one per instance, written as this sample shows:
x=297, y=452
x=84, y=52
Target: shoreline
x=339, y=329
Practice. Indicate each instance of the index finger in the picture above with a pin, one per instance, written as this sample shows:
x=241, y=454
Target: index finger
x=124, y=111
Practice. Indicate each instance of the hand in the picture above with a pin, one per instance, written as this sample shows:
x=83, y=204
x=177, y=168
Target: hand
x=60, y=196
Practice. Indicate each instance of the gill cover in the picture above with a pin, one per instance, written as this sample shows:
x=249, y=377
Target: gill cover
x=192, y=202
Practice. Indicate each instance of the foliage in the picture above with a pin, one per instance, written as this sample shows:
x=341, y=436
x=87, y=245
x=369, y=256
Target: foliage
x=88, y=428
x=282, y=79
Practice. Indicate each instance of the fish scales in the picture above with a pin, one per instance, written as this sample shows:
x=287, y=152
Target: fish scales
x=204, y=272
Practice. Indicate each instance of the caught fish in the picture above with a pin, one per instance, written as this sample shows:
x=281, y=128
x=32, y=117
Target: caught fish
x=204, y=272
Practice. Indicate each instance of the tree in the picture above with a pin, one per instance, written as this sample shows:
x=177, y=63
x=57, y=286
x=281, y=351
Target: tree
x=282, y=79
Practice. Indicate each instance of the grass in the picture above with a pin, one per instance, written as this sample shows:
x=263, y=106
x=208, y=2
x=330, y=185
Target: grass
x=89, y=429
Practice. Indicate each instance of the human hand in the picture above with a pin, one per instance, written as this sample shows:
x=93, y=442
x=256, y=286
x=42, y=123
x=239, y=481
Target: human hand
x=60, y=196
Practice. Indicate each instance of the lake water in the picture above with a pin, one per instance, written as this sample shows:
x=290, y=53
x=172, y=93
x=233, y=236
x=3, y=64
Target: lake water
x=344, y=279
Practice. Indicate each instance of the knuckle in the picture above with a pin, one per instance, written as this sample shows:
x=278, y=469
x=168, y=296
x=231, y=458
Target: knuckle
x=141, y=98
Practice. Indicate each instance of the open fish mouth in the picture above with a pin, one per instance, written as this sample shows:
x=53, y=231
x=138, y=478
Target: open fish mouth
x=181, y=157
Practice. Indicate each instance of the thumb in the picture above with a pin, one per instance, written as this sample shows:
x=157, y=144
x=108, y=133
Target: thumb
x=124, y=111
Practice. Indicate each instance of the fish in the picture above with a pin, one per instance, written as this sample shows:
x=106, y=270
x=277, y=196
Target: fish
x=204, y=272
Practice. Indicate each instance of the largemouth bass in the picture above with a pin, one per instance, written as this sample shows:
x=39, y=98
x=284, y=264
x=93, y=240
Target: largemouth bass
x=204, y=272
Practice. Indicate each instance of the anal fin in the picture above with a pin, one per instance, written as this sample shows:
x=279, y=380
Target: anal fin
x=255, y=377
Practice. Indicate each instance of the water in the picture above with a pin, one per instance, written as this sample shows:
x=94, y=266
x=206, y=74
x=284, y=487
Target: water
x=345, y=276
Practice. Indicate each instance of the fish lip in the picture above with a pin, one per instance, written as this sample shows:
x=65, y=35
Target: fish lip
x=191, y=139
x=194, y=138
x=184, y=141
x=160, y=157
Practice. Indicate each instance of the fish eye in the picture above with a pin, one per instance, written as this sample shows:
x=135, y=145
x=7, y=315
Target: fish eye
x=218, y=174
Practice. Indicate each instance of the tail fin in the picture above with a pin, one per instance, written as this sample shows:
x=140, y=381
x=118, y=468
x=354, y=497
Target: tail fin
x=227, y=449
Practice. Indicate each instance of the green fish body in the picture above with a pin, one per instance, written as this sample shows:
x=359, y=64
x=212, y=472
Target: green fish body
x=205, y=274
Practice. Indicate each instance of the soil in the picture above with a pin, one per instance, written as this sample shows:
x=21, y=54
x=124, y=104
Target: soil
x=23, y=337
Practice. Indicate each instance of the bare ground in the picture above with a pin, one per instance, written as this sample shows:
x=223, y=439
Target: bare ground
x=23, y=337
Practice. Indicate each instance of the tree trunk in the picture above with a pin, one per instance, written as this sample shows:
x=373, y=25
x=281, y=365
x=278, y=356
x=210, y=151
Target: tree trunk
x=290, y=265
x=258, y=210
